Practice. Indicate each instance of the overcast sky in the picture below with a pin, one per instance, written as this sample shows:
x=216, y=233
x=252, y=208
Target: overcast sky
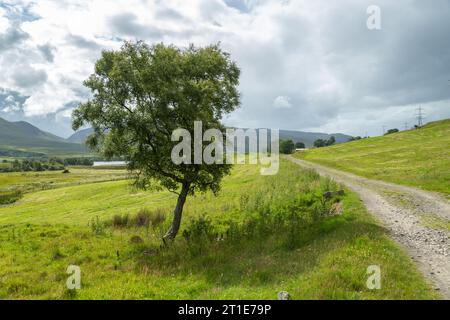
x=306, y=65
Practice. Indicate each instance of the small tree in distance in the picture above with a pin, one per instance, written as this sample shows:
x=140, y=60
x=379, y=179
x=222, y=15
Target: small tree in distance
x=320, y=143
x=300, y=145
x=141, y=94
x=287, y=146
x=391, y=131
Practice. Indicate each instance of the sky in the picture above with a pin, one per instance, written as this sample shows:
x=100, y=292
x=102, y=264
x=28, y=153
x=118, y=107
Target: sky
x=305, y=65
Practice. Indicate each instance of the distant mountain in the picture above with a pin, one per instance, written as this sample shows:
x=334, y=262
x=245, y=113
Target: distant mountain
x=307, y=138
x=24, y=137
x=80, y=136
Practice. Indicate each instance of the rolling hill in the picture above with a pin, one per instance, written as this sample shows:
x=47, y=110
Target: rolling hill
x=80, y=136
x=23, y=138
x=419, y=158
x=307, y=138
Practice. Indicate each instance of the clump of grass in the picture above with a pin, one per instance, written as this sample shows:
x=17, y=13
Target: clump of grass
x=145, y=218
x=97, y=227
x=142, y=218
x=120, y=221
x=56, y=254
x=9, y=197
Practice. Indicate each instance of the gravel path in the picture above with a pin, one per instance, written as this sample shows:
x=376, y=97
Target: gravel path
x=415, y=219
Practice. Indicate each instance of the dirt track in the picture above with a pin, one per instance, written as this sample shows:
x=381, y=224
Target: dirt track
x=413, y=217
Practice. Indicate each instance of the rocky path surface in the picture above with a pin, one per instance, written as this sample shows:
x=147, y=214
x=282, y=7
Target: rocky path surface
x=416, y=219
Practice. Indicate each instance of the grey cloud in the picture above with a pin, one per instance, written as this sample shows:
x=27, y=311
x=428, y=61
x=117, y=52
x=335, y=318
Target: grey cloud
x=164, y=12
x=375, y=72
x=406, y=62
x=81, y=42
x=27, y=77
x=126, y=24
x=47, y=52
x=12, y=37
x=11, y=102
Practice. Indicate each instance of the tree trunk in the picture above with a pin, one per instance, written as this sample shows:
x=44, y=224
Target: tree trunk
x=177, y=213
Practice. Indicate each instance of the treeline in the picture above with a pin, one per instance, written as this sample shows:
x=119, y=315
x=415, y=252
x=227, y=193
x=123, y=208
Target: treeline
x=43, y=164
x=320, y=143
x=20, y=154
x=31, y=165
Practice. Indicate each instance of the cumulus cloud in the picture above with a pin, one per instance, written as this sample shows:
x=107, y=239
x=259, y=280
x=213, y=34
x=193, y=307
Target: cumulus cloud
x=282, y=102
x=314, y=60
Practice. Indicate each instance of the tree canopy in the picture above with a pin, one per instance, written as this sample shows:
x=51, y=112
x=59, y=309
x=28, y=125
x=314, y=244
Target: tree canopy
x=391, y=131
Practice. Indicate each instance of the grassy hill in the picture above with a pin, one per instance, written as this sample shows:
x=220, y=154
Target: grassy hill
x=261, y=235
x=419, y=158
x=24, y=138
x=80, y=136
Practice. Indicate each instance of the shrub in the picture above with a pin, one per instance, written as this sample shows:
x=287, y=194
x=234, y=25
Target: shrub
x=200, y=229
x=97, y=227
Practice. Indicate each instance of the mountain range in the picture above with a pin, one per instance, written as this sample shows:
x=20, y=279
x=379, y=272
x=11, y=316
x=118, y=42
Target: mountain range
x=307, y=138
x=23, y=138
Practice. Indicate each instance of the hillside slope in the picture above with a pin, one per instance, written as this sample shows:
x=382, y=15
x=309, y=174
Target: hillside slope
x=80, y=136
x=25, y=137
x=419, y=158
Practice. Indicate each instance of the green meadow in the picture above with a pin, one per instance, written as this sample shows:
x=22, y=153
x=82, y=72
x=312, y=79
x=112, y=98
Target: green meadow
x=259, y=236
x=418, y=158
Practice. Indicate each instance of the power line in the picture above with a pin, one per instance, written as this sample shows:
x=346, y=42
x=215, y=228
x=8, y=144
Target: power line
x=420, y=117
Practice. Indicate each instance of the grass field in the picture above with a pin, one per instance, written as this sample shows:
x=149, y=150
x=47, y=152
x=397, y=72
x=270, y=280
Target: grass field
x=419, y=158
x=33, y=181
x=261, y=235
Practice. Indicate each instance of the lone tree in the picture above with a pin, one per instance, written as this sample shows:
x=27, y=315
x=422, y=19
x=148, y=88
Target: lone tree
x=287, y=146
x=141, y=94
